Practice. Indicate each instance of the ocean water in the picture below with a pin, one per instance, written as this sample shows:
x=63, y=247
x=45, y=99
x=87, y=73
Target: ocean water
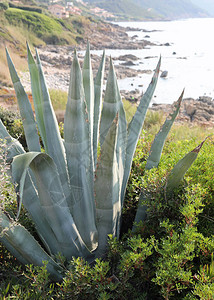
x=189, y=59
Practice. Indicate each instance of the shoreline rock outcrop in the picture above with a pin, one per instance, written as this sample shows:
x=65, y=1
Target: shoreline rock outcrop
x=193, y=111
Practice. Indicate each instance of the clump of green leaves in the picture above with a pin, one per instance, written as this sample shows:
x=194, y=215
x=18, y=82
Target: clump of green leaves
x=74, y=193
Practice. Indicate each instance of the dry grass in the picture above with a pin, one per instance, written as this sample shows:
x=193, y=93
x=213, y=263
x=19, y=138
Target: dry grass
x=17, y=49
x=22, y=35
x=188, y=131
x=19, y=62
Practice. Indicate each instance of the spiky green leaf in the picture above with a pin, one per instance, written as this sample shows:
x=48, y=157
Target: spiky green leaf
x=55, y=147
x=98, y=88
x=25, y=108
x=31, y=203
x=111, y=106
x=107, y=190
x=179, y=170
x=24, y=247
x=135, y=126
x=158, y=143
x=52, y=199
x=88, y=84
x=79, y=157
x=37, y=95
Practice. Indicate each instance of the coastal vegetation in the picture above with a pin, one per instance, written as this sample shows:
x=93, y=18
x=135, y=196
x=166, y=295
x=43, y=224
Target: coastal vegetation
x=153, y=209
x=19, y=25
x=167, y=255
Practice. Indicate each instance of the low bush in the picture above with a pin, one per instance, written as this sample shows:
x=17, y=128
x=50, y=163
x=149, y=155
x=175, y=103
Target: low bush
x=13, y=123
x=168, y=254
x=25, y=7
x=4, y=5
x=168, y=257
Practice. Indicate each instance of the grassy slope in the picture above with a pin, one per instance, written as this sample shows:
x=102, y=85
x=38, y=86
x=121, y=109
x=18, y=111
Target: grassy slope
x=18, y=26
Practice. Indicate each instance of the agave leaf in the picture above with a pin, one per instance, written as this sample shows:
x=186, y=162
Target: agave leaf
x=52, y=200
x=31, y=202
x=37, y=95
x=98, y=87
x=13, y=146
x=24, y=247
x=107, y=189
x=88, y=84
x=135, y=127
x=25, y=108
x=179, y=170
x=111, y=106
x=112, y=103
x=158, y=143
x=30, y=197
x=79, y=157
x=55, y=146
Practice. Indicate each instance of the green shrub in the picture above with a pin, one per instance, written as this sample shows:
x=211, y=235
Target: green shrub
x=38, y=23
x=169, y=256
x=58, y=99
x=27, y=8
x=13, y=123
x=4, y=5
x=164, y=251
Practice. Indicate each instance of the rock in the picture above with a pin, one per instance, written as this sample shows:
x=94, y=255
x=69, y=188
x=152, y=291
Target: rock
x=148, y=57
x=174, y=53
x=205, y=99
x=132, y=96
x=128, y=63
x=164, y=74
x=147, y=36
x=127, y=57
x=199, y=111
x=190, y=110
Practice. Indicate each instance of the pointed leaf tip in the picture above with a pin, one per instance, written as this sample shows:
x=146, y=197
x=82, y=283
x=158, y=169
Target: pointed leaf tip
x=75, y=54
x=198, y=148
x=29, y=54
x=179, y=101
x=158, y=65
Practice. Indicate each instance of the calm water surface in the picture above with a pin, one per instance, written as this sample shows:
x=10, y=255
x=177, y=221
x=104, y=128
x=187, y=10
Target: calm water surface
x=189, y=59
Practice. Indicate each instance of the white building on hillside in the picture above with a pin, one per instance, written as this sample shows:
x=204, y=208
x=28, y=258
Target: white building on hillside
x=58, y=11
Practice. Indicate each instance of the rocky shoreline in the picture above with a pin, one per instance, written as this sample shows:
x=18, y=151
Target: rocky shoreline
x=193, y=111
x=56, y=61
x=57, y=64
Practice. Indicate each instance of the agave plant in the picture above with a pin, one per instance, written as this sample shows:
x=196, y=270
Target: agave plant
x=74, y=193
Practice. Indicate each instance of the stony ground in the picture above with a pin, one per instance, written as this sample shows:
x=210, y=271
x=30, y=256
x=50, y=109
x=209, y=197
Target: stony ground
x=56, y=61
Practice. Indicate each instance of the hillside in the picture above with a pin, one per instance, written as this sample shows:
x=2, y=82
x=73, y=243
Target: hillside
x=173, y=9
x=207, y=5
x=39, y=28
x=126, y=9
x=150, y=9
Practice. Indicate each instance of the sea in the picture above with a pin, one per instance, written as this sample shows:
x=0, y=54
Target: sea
x=187, y=51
